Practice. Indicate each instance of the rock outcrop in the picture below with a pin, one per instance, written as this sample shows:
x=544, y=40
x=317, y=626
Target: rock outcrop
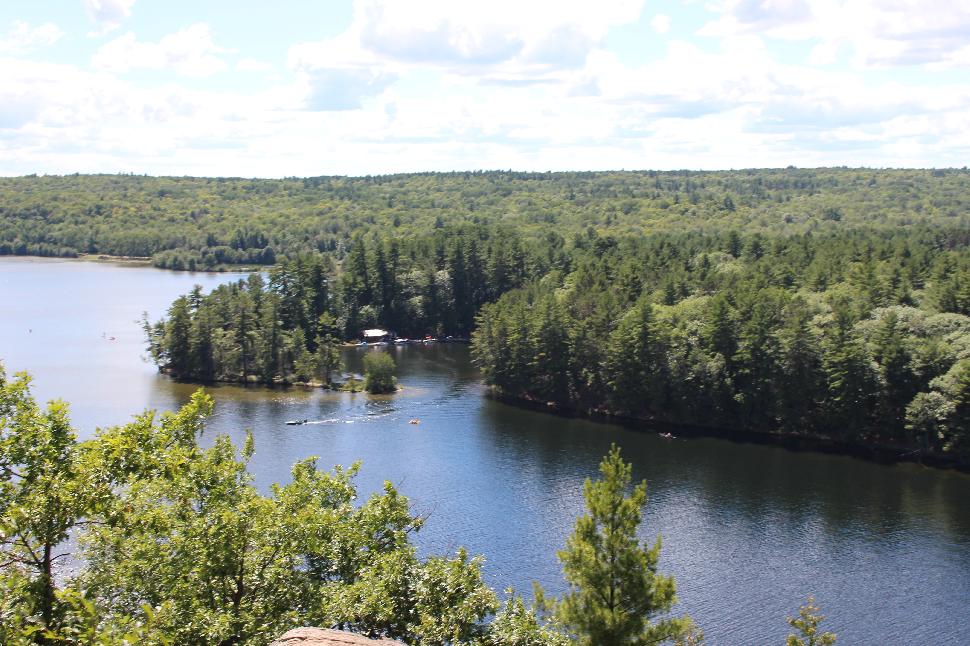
x=325, y=637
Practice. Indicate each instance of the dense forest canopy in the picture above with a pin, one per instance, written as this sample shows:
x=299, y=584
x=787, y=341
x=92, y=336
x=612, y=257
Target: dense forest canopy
x=862, y=336
x=195, y=223
x=832, y=302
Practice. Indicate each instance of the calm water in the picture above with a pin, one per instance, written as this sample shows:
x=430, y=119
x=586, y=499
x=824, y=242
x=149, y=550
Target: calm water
x=749, y=531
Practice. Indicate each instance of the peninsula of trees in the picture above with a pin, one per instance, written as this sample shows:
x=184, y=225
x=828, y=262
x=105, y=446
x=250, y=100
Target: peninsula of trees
x=858, y=336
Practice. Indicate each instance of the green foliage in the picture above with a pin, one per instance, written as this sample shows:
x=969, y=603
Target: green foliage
x=174, y=545
x=635, y=364
x=202, y=223
x=44, y=494
x=177, y=546
x=836, y=335
x=806, y=626
x=518, y=625
x=764, y=284
x=288, y=329
x=379, y=373
x=615, y=588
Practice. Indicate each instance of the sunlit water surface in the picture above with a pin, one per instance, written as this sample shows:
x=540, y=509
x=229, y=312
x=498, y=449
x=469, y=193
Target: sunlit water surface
x=749, y=531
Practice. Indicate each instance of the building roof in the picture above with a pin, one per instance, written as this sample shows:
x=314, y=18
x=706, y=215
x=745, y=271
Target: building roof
x=325, y=637
x=375, y=332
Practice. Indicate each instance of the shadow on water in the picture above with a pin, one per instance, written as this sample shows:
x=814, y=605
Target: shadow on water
x=765, y=526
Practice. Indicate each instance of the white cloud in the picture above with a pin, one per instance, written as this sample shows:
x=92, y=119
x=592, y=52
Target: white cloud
x=502, y=41
x=880, y=33
x=189, y=52
x=108, y=14
x=344, y=89
x=442, y=87
x=660, y=23
x=65, y=119
x=23, y=39
x=253, y=65
x=445, y=32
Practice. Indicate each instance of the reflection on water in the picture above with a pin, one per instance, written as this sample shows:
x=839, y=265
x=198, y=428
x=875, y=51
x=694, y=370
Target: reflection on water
x=748, y=530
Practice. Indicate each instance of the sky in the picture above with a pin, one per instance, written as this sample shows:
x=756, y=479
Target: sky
x=330, y=87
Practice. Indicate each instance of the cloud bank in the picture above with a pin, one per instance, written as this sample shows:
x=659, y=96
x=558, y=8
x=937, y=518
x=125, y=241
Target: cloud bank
x=430, y=85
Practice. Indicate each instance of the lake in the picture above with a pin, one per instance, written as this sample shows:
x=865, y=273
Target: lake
x=749, y=531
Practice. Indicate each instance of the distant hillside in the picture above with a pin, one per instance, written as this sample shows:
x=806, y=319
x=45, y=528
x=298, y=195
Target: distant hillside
x=184, y=222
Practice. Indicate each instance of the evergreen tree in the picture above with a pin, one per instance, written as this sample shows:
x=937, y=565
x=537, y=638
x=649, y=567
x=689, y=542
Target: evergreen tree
x=270, y=352
x=807, y=627
x=550, y=363
x=635, y=363
x=899, y=382
x=756, y=361
x=615, y=590
x=328, y=348
x=304, y=361
x=178, y=337
x=851, y=383
x=801, y=375
x=585, y=356
x=719, y=328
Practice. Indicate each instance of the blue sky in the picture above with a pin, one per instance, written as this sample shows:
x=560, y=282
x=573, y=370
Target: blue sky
x=251, y=88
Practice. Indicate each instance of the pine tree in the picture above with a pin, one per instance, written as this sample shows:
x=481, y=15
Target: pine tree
x=328, y=348
x=635, y=363
x=719, y=329
x=550, y=362
x=801, y=368
x=757, y=360
x=178, y=337
x=899, y=383
x=807, y=622
x=851, y=382
x=615, y=589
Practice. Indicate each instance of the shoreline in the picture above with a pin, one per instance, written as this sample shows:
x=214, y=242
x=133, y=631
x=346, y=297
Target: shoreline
x=334, y=387
x=141, y=261
x=885, y=454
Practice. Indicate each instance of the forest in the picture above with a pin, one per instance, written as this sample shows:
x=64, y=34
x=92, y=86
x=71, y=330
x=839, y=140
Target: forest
x=827, y=303
x=204, y=223
x=142, y=535
x=860, y=336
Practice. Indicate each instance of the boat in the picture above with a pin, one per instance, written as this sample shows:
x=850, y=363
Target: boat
x=297, y=422
x=667, y=436
x=414, y=421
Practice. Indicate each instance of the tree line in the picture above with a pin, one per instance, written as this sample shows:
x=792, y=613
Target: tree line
x=207, y=223
x=142, y=536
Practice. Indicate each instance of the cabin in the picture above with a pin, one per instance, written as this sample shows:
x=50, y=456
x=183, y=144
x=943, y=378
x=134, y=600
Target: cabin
x=376, y=335
x=323, y=637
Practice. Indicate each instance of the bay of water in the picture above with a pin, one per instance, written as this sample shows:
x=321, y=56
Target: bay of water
x=748, y=531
